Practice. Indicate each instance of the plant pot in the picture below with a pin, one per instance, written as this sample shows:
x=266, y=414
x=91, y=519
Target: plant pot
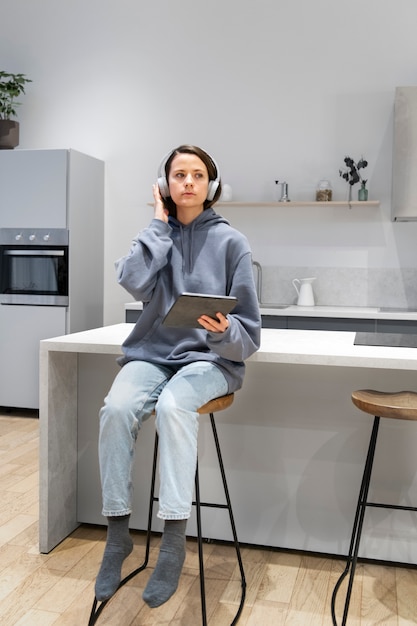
x=9, y=134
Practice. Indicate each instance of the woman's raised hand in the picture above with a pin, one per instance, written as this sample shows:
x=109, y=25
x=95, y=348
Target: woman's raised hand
x=160, y=212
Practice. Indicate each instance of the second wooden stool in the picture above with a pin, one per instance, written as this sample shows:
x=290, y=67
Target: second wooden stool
x=401, y=405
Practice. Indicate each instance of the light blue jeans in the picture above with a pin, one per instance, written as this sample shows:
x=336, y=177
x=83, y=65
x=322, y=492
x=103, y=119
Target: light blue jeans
x=137, y=390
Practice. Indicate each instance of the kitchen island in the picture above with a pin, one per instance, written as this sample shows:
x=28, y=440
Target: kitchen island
x=293, y=443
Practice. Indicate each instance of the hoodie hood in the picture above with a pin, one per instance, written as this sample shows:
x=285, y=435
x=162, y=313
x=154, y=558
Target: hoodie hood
x=190, y=238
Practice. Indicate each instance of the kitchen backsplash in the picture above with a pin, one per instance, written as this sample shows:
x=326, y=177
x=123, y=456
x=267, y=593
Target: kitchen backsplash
x=367, y=287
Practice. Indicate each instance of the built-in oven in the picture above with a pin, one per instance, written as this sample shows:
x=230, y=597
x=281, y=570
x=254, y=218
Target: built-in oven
x=34, y=266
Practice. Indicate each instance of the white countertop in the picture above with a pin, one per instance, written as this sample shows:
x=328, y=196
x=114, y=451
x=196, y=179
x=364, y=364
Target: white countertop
x=303, y=347
x=352, y=312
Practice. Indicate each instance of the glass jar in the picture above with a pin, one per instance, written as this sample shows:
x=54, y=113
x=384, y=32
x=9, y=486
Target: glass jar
x=324, y=192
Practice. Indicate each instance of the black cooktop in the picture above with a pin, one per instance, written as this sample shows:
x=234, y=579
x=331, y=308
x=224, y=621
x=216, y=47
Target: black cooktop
x=392, y=340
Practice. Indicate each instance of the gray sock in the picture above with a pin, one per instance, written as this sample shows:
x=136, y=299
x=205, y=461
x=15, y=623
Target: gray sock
x=164, y=580
x=118, y=546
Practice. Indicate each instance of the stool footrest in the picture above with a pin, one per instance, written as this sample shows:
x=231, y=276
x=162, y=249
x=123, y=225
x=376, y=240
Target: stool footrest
x=213, y=505
x=397, y=507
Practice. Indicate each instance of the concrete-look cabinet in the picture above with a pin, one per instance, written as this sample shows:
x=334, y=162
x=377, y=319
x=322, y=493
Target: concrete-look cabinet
x=318, y=323
x=310, y=322
x=347, y=324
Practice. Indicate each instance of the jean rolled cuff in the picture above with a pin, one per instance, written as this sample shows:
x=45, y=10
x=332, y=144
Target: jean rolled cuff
x=172, y=516
x=120, y=513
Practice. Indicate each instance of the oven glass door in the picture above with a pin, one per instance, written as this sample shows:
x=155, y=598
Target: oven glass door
x=35, y=275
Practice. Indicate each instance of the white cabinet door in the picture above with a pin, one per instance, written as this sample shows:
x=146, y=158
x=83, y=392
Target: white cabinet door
x=21, y=330
x=33, y=188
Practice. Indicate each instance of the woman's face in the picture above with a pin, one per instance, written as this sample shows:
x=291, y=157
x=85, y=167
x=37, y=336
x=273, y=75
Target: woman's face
x=188, y=185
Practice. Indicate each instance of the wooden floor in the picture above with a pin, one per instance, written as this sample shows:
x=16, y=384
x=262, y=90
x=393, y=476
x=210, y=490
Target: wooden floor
x=58, y=588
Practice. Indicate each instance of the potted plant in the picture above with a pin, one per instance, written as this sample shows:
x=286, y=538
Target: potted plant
x=11, y=87
x=352, y=176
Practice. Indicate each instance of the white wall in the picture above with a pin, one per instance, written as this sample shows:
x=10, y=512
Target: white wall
x=272, y=88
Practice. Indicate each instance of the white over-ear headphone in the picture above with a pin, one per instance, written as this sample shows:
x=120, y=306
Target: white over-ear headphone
x=163, y=183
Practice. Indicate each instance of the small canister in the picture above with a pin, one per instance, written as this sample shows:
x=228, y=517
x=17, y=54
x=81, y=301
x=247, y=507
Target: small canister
x=226, y=195
x=324, y=192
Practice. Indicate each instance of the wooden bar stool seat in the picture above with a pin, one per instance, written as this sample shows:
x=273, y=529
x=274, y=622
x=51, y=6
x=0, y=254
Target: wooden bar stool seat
x=218, y=404
x=400, y=405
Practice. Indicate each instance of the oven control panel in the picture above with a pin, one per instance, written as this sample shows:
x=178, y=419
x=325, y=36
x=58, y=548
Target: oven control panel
x=34, y=236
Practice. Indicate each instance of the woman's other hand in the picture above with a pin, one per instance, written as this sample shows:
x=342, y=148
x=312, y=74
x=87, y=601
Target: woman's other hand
x=160, y=212
x=213, y=325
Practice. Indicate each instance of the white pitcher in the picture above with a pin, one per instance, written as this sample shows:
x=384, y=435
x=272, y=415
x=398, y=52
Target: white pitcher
x=304, y=289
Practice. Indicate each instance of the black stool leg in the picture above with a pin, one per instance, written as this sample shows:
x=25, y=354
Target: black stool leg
x=232, y=521
x=200, y=548
x=95, y=612
x=357, y=527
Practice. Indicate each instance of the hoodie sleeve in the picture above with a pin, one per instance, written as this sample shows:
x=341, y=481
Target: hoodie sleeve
x=242, y=338
x=137, y=272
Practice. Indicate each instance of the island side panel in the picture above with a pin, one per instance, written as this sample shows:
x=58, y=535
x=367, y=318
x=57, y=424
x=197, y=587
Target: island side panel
x=293, y=445
x=58, y=447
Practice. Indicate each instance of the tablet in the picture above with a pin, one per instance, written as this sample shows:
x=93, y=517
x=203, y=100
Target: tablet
x=190, y=306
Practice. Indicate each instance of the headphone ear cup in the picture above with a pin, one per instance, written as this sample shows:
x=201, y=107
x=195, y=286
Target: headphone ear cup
x=212, y=188
x=163, y=187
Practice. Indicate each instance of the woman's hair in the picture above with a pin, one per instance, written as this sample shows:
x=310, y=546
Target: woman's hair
x=213, y=174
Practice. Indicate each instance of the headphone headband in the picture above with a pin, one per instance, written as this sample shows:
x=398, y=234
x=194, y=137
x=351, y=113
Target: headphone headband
x=163, y=183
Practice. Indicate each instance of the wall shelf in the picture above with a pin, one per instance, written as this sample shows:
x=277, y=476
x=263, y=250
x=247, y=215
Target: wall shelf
x=340, y=203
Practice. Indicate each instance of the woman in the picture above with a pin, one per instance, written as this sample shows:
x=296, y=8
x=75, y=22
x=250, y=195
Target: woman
x=174, y=371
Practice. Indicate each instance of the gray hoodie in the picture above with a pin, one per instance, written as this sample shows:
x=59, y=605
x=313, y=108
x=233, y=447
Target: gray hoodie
x=206, y=256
